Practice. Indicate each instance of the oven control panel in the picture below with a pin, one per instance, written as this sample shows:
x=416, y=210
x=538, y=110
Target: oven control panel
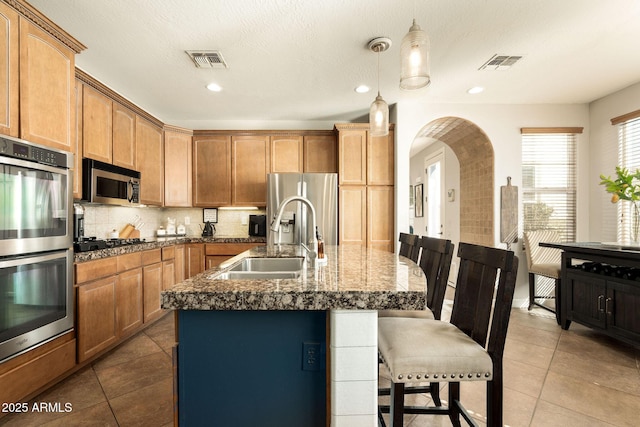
x=27, y=151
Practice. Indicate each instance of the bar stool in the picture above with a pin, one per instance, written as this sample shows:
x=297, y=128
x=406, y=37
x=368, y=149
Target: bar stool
x=408, y=246
x=468, y=348
x=435, y=261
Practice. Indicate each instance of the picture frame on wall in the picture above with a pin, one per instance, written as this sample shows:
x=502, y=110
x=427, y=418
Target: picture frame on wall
x=412, y=198
x=419, y=200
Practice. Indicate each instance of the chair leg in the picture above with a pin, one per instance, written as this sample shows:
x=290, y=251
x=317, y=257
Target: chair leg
x=434, y=389
x=396, y=412
x=494, y=399
x=532, y=290
x=454, y=409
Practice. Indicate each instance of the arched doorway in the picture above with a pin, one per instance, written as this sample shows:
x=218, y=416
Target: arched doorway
x=476, y=192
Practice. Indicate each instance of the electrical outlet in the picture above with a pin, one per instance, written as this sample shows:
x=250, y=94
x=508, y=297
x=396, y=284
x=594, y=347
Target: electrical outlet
x=313, y=356
x=187, y=220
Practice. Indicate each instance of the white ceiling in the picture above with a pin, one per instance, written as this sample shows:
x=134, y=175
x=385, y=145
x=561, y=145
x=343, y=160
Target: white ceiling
x=296, y=62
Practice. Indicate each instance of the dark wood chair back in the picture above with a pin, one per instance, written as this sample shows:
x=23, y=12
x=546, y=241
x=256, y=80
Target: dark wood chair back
x=475, y=291
x=408, y=243
x=435, y=261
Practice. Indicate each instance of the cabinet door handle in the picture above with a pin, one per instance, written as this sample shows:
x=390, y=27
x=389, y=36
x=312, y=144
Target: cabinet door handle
x=600, y=303
x=608, y=304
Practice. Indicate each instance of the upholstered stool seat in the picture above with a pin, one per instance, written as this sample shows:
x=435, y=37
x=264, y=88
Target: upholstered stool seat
x=421, y=350
x=418, y=314
x=549, y=270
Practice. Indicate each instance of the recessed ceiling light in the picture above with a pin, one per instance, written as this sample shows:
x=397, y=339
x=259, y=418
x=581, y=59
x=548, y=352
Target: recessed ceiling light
x=362, y=89
x=214, y=87
x=475, y=89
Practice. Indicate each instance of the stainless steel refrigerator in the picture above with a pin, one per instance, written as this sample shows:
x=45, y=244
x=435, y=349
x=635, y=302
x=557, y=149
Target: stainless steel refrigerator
x=321, y=189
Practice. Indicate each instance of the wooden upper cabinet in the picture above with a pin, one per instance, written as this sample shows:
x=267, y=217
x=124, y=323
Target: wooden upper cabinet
x=9, y=82
x=380, y=163
x=212, y=171
x=97, y=125
x=47, y=98
x=78, y=152
x=249, y=167
x=124, y=137
x=320, y=154
x=177, y=168
x=286, y=154
x=149, y=161
x=352, y=157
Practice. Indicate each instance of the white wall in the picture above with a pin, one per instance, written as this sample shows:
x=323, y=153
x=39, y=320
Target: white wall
x=502, y=125
x=604, y=158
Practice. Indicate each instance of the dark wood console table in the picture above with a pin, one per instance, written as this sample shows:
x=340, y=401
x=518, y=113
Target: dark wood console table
x=600, y=288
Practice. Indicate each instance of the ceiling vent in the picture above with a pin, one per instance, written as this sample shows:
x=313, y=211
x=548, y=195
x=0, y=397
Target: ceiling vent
x=500, y=62
x=207, y=58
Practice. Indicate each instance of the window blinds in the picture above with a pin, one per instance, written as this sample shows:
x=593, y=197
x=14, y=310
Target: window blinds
x=628, y=157
x=549, y=182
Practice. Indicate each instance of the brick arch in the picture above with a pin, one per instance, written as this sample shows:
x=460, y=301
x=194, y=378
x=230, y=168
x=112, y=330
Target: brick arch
x=475, y=154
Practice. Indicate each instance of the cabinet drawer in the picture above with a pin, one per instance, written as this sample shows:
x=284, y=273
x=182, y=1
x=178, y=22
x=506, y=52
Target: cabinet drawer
x=168, y=253
x=91, y=270
x=151, y=257
x=129, y=261
x=228, y=248
x=38, y=372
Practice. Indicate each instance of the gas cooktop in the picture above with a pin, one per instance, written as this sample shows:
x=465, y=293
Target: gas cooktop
x=94, y=244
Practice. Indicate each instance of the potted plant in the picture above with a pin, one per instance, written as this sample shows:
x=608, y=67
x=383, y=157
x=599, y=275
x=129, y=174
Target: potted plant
x=626, y=186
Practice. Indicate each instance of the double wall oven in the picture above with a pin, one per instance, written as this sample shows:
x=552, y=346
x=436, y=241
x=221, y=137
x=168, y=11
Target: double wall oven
x=36, y=239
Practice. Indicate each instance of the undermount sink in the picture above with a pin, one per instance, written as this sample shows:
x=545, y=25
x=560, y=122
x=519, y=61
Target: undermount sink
x=258, y=275
x=269, y=264
x=264, y=268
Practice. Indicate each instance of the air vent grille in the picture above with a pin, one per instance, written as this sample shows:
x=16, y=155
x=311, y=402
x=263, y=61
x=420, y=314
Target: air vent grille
x=207, y=58
x=500, y=62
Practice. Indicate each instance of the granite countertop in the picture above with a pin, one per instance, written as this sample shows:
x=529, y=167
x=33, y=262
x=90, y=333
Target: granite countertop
x=353, y=278
x=160, y=242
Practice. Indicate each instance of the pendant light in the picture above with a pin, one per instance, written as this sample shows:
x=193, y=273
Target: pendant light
x=379, y=111
x=414, y=55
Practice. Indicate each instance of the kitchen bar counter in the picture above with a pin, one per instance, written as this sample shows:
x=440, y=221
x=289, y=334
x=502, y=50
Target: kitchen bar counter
x=354, y=278
x=160, y=242
x=288, y=351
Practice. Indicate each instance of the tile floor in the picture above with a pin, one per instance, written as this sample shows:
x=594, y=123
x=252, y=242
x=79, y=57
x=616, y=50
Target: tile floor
x=552, y=378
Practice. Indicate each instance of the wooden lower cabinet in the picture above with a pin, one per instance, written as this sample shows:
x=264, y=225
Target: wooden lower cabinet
x=179, y=264
x=129, y=302
x=193, y=259
x=28, y=373
x=96, y=317
x=217, y=253
x=608, y=304
x=152, y=286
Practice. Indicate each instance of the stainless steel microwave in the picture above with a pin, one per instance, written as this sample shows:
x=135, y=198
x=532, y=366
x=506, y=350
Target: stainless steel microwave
x=109, y=184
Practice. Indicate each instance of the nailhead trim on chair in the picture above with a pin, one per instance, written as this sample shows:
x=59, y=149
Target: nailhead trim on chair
x=444, y=376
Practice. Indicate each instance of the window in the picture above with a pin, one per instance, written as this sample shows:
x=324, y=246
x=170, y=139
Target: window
x=628, y=157
x=549, y=180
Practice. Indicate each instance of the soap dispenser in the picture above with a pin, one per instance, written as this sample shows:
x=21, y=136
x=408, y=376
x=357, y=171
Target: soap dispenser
x=320, y=245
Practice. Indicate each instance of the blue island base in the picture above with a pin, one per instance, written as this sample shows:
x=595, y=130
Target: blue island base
x=252, y=368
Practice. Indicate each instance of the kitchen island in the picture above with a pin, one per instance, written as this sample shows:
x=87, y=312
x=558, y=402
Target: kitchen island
x=288, y=351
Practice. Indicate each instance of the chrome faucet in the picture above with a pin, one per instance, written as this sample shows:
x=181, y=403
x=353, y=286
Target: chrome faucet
x=312, y=249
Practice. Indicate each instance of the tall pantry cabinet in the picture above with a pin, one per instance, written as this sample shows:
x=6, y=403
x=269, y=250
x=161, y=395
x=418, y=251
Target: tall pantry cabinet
x=366, y=187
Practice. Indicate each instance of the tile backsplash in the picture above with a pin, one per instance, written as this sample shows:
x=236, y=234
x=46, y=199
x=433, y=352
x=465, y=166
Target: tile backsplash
x=100, y=220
